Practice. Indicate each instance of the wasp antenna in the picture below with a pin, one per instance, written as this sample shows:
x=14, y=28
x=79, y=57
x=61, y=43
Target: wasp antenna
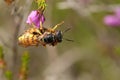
x=57, y=25
x=69, y=28
x=68, y=40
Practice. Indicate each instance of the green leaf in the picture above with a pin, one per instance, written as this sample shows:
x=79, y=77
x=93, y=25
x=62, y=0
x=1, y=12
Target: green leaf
x=25, y=58
x=117, y=50
x=8, y=75
x=1, y=52
x=41, y=4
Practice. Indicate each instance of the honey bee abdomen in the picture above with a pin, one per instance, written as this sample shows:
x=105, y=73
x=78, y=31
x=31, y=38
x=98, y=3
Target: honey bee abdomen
x=28, y=39
x=22, y=40
x=32, y=39
x=33, y=30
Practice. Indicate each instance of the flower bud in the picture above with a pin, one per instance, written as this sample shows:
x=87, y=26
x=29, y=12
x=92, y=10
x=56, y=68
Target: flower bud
x=112, y=20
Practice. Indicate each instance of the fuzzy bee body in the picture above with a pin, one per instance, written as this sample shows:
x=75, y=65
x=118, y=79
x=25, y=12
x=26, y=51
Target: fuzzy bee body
x=30, y=37
x=33, y=31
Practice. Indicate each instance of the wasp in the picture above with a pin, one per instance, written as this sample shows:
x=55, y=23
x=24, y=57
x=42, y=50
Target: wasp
x=44, y=36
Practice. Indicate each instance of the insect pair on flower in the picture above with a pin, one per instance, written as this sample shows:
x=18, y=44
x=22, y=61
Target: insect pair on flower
x=37, y=34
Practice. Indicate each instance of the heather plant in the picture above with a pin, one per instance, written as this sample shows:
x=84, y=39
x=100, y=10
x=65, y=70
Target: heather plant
x=113, y=19
x=37, y=16
x=23, y=72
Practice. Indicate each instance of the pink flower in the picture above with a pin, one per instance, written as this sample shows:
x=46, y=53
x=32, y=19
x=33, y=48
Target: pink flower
x=117, y=12
x=35, y=17
x=112, y=20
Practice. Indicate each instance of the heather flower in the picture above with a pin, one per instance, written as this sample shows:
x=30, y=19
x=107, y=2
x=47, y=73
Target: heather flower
x=117, y=12
x=112, y=20
x=35, y=17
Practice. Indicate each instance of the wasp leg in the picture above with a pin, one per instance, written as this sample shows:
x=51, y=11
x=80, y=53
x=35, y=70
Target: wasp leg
x=37, y=30
x=41, y=26
x=43, y=44
x=42, y=29
x=53, y=29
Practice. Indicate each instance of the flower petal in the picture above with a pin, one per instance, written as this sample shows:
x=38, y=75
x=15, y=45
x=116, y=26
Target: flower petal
x=112, y=20
x=35, y=17
x=117, y=12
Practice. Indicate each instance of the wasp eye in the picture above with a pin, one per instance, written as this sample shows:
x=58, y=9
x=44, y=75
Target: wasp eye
x=58, y=36
x=49, y=38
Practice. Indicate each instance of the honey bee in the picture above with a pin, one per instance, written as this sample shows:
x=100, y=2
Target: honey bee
x=44, y=36
x=9, y=1
x=29, y=37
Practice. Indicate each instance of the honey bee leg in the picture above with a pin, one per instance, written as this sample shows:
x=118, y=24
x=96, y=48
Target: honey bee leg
x=33, y=25
x=53, y=29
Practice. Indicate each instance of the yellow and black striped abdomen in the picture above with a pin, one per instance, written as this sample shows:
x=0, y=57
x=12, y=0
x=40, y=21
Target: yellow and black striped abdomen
x=28, y=39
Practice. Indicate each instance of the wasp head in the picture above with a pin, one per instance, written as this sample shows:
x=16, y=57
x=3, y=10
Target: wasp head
x=58, y=36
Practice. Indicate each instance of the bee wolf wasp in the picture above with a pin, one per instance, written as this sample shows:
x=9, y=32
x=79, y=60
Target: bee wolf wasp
x=44, y=36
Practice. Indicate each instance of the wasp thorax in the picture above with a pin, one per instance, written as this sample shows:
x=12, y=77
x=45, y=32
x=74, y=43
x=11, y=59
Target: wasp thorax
x=52, y=38
x=49, y=38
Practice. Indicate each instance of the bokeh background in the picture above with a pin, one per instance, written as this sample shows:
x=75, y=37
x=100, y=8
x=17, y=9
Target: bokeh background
x=94, y=54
